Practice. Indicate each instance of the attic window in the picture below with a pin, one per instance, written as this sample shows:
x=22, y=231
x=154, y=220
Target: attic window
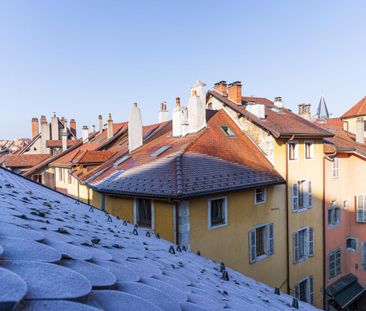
x=101, y=140
x=228, y=131
x=123, y=159
x=160, y=151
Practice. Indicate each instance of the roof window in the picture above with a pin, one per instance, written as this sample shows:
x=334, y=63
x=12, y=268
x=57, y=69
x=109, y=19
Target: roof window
x=228, y=131
x=160, y=151
x=120, y=161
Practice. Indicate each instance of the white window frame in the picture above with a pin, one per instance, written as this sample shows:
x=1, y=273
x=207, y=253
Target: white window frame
x=308, y=196
x=264, y=196
x=210, y=226
x=309, y=244
x=135, y=212
x=350, y=249
x=309, y=289
x=268, y=242
x=337, y=272
x=363, y=210
x=335, y=168
x=334, y=207
x=296, y=151
x=312, y=150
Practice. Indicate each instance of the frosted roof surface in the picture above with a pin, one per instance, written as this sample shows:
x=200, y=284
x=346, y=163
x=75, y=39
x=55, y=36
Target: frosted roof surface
x=54, y=250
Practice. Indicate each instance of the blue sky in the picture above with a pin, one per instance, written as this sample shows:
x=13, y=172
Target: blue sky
x=82, y=58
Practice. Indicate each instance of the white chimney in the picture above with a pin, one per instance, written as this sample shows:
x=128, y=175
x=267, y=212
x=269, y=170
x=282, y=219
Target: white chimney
x=163, y=113
x=360, y=131
x=278, y=102
x=177, y=119
x=109, y=127
x=64, y=141
x=85, y=134
x=197, y=108
x=54, y=128
x=100, y=122
x=135, y=128
x=184, y=121
x=256, y=109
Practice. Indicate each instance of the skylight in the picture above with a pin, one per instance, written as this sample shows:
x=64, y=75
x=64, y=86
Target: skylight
x=99, y=141
x=120, y=161
x=228, y=131
x=160, y=151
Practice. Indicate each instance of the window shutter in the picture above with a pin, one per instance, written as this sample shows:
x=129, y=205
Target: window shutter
x=270, y=239
x=295, y=246
x=363, y=255
x=311, y=290
x=310, y=195
x=311, y=241
x=252, y=246
x=338, y=212
x=294, y=197
x=297, y=291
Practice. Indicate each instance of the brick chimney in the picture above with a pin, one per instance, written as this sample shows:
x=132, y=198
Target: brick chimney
x=35, y=127
x=135, y=138
x=360, y=130
x=85, y=134
x=163, y=113
x=221, y=87
x=235, y=92
x=109, y=127
x=73, y=126
x=100, y=122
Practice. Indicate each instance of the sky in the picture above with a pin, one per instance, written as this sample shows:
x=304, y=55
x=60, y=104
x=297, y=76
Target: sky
x=81, y=58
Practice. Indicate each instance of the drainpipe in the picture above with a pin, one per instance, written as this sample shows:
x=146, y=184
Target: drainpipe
x=324, y=239
x=287, y=223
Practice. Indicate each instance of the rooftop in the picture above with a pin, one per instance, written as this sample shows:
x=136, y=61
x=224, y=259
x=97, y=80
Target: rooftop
x=357, y=110
x=59, y=254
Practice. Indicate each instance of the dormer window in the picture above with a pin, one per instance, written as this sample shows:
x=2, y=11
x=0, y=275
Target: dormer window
x=228, y=131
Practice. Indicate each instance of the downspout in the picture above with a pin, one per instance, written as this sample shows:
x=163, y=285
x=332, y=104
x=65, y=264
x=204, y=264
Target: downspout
x=324, y=239
x=287, y=224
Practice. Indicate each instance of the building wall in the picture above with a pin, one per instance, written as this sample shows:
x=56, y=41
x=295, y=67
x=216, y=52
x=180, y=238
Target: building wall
x=346, y=187
x=230, y=243
x=308, y=170
x=349, y=124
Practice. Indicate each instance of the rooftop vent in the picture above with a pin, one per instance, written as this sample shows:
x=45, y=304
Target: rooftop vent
x=160, y=151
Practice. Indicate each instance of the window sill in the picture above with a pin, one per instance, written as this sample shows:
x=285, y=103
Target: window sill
x=351, y=250
x=334, y=226
x=303, y=259
x=301, y=210
x=260, y=203
x=261, y=258
x=211, y=227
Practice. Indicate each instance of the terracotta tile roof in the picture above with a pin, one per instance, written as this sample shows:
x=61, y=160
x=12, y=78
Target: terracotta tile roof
x=58, y=143
x=280, y=122
x=357, y=110
x=342, y=140
x=202, y=163
x=24, y=160
x=92, y=156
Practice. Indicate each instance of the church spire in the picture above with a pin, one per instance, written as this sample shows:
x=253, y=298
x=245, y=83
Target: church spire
x=322, y=112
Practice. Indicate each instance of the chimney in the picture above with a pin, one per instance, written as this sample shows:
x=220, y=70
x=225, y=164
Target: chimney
x=35, y=127
x=64, y=141
x=197, y=108
x=55, y=133
x=85, y=134
x=257, y=109
x=63, y=120
x=93, y=128
x=177, y=119
x=134, y=128
x=100, y=122
x=278, y=102
x=304, y=111
x=45, y=134
x=73, y=127
x=109, y=127
x=163, y=113
x=235, y=92
x=221, y=87
x=360, y=131
x=43, y=120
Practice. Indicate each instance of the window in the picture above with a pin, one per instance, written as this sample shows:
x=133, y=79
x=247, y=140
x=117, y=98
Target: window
x=352, y=244
x=260, y=242
x=260, y=196
x=334, y=263
x=303, y=244
x=160, y=151
x=361, y=208
x=334, y=215
x=363, y=255
x=292, y=150
x=217, y=211
x=309, y=150
x=335, y=168
x=144, y=212
x=228, y=131
x=301, y=195
x=304, y=290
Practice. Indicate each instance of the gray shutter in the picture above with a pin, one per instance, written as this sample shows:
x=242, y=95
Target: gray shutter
x=363, y=255
x=252, y=246
x=310, y=195
x=295, y=203
x=311, y=290
x=311, y=241
x=270, y=239
x=295, y=238
x=338, y=212
x=297, y=291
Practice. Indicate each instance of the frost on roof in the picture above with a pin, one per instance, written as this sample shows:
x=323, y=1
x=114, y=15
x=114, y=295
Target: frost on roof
x=59, y=254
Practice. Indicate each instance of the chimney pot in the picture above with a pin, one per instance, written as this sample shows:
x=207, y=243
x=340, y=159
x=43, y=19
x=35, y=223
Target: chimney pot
x=177, y=102
x=100, y=122
x=163, y=113
x=35, y=127
x=235, y=92
x=73, y=127
x=109, y=127
x=221, y=87
x=85, y=134
x=278, y=102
